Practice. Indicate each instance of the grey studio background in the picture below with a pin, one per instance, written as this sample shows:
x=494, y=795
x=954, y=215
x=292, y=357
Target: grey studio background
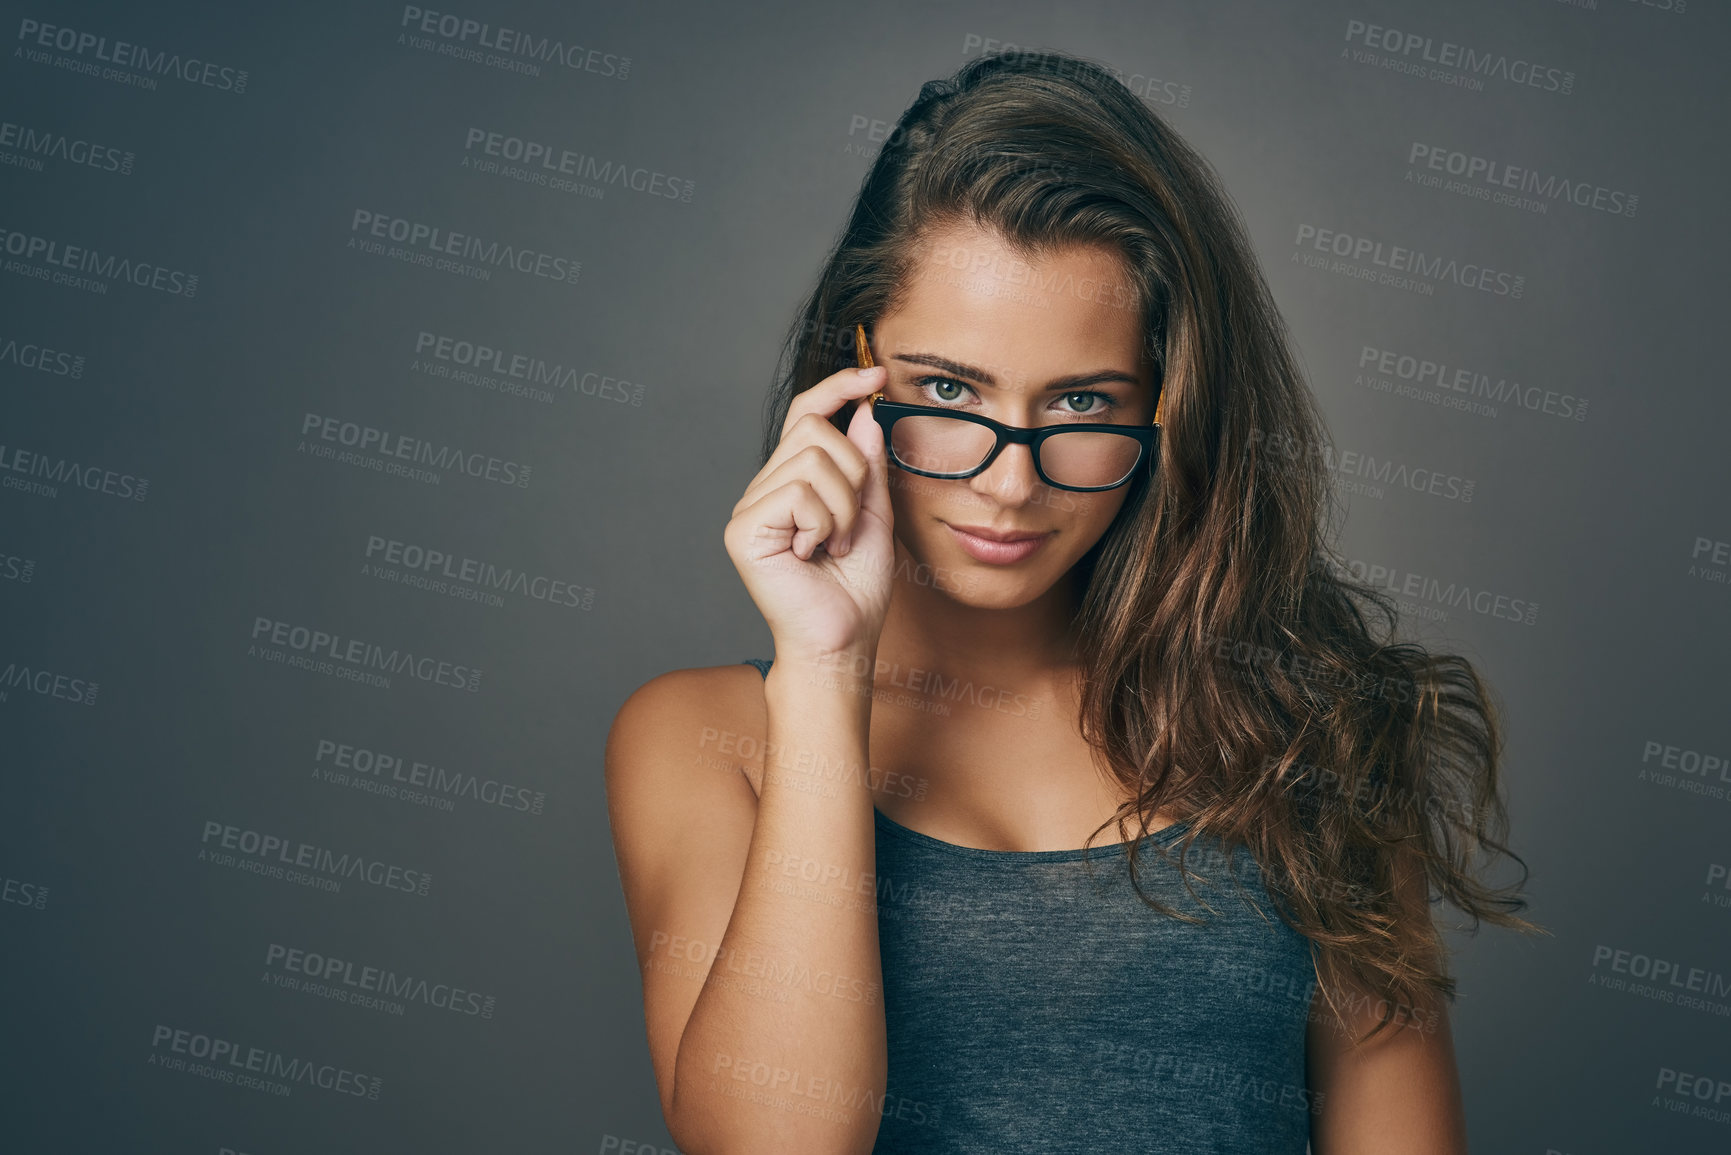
x=225, y=643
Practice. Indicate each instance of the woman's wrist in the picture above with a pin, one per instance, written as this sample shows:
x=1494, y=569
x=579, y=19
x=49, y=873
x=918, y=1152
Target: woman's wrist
x=816, y=675
x=852, y=667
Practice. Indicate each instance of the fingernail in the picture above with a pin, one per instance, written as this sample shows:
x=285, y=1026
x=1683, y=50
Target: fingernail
x=870, y=371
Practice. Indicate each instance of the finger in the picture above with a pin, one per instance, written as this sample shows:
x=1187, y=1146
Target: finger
x=815, y=520
x=838, y=491
x=790, y=518
x=814, y=431
x=834, y=391
x=867, y=436
x=808, y=432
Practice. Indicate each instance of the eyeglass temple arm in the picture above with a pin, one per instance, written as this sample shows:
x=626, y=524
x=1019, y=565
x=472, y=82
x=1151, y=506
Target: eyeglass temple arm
x=863, y=354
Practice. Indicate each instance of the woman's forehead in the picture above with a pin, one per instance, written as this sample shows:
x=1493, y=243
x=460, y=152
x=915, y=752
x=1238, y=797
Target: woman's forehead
x=1019, y=319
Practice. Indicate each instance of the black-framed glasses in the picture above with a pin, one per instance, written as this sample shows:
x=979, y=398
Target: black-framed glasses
x=1085, y=457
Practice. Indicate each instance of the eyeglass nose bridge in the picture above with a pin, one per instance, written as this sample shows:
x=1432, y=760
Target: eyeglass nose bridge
x=1011, y=435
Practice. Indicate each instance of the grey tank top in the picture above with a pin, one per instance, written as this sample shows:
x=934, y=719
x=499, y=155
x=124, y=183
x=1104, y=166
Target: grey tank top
x=1034, y=1006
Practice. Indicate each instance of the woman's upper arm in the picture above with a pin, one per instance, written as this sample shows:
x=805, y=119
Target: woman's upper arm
x=682, y=816
x=1396, y=1094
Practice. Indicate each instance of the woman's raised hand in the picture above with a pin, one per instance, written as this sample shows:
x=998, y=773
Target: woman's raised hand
x=811, y=537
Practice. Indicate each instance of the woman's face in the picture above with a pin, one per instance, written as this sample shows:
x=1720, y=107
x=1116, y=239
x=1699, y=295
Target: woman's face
x=1026, y=342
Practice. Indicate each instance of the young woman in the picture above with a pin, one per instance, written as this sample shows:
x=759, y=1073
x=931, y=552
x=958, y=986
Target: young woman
x=1056, y=564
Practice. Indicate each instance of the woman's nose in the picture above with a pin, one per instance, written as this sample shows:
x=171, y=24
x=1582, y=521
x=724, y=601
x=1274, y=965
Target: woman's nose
x=1011, y=479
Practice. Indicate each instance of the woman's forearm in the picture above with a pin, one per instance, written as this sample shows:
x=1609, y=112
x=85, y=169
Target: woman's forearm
x=785, y=1048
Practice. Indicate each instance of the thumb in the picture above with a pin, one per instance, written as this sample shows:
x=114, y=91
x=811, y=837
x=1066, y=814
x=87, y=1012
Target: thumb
x=864, y=431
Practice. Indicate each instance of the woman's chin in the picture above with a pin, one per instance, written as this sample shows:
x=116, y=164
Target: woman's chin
x=978, y=585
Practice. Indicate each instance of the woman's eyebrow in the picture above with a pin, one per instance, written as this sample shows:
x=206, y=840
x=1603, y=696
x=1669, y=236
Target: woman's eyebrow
x=1061, y=385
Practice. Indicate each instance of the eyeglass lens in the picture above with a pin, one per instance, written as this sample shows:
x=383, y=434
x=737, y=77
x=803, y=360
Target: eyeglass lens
x=1083, y=458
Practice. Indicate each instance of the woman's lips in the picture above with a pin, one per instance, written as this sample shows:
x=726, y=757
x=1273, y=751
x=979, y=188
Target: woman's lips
x=997, y=552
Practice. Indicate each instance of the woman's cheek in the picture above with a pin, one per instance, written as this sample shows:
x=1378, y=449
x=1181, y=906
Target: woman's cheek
x=904, y=492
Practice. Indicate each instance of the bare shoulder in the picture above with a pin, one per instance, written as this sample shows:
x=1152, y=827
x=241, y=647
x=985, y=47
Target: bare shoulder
x=682, y=810
x=697, y=729
x=680, y=802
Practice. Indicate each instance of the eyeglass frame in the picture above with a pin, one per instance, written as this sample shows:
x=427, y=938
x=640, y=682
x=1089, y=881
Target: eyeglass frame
x=1147, y=436
x=886, y=413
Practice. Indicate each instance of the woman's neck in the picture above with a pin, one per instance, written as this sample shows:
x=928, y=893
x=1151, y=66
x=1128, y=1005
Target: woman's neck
x=1028, y=647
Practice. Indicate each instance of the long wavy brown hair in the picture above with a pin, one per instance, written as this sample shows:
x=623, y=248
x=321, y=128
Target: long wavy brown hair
x=1231, y=673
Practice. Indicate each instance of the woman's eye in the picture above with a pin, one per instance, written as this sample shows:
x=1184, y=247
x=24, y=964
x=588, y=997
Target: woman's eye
x=1095, y=403
x=943, y=388
x=1082, y=403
